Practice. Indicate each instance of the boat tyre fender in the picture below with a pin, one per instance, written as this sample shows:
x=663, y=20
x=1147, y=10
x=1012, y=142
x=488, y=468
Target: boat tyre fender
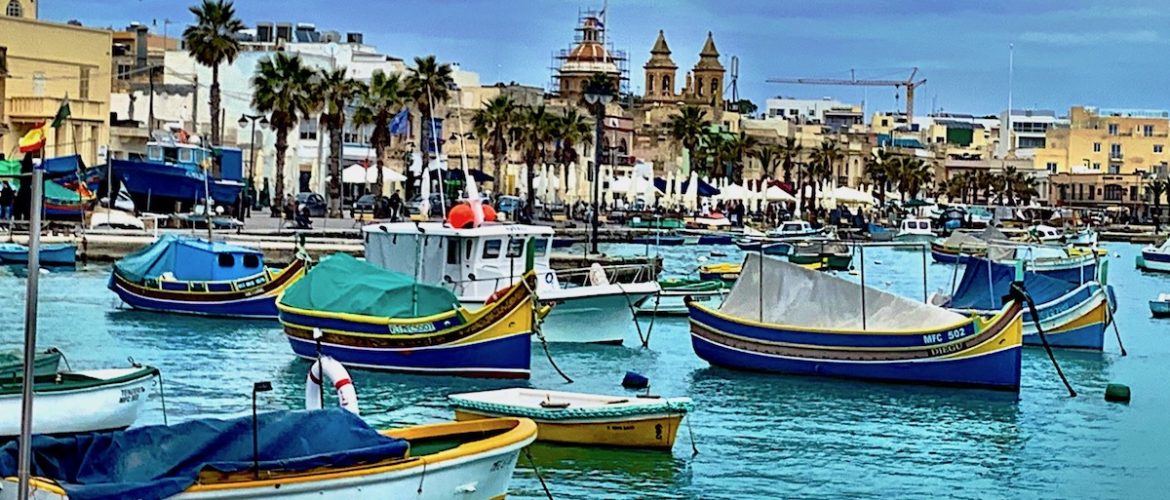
x=497, y=295
x=339, y=377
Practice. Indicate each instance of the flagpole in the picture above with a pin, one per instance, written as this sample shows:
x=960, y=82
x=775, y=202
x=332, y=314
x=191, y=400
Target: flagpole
x=30, y=329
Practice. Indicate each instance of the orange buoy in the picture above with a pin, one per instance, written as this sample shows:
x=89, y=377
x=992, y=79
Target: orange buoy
x=462, y=217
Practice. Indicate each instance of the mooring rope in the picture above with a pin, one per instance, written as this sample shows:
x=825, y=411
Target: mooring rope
x=1109, y=317
x=536, y=470
x=634, y=316
x=540, y=334
x=1023, y=292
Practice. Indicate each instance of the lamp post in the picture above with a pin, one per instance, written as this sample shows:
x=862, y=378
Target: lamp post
x=244, y=121
x=598, y=99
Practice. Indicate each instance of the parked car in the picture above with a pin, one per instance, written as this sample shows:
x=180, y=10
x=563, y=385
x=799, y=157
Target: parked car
x=314, y=202
x=365, y=205
x=509, y=206
x=437, y=208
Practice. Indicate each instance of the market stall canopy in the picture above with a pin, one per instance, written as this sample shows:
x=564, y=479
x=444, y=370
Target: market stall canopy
x=358, y=174
x=736, y=192
x=705, y=190
x=849, y=195
x=774, y=193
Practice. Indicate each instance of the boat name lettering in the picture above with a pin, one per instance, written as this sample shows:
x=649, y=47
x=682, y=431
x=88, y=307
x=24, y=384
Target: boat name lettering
x=619, y=427
x=946, y=336
x=412, y=328
x=130, y=395
x=946, y=349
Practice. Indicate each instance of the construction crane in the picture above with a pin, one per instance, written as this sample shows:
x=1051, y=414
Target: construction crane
x=909, y=84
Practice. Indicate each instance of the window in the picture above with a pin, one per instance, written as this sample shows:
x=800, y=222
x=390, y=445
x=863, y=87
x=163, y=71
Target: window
x=885, y=122
x=251, y=261
x=649, y=85
x=308, y=129
x=541, y=247
x=1115, y=150
x=714, y=87
x=38, y=84
x=491, y=249
x=1096, y=147
x=1113, y=192
x=515, y=248
x=1158, y=148
x=226, y=260
x=1052, y=166
x=185, y=156
x=14, y=9
x=123, y=71
x=699, y=87
x=666, y=90
x=1112, y=129
x=1114, y=168
x=1148, y=130
x=452, y=253
x=1096, y=166
x=83, y=84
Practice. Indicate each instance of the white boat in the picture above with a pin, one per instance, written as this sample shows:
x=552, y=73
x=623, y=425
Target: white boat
x=104, y=218
x=671, y=301
x=81, y=401
x=590, y=306
x=915, y=230
x=1045, y=234
x=1085, y=237
x=795, y=229
x=1155, y=257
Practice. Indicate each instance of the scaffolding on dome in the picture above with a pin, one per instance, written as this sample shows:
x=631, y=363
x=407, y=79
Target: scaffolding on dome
x=582, y=58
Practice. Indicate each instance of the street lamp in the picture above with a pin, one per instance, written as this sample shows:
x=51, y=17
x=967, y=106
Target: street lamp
x=254, y=120
x=598, y=99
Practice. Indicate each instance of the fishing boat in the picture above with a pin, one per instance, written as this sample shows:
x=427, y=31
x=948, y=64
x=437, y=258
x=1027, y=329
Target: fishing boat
x=795, y=229
x=581, y=419
x=45, y=364
x=669, y=302
x=915, y=230
x=832, y=254
x=1074, y=265
x=957, y=248
x=188, y=275
x=52, y=254
x=77, y=401
x=775, y=320
x=1155, y=258
x=662, y=240
x=1160, y=308
x=1044, y=234
x=716, y=239
x=780, y=248
x=1072, y=315
x=173, y=172
x=1084, y=237
x=877, y=232
x=282, y=454
x=476, y=262
x=369, y=317
x=719, y=271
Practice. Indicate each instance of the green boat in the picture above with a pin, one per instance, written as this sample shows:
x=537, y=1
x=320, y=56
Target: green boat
x=45, y=364
x=649, y=223
x=670, y=301
x=834, y=254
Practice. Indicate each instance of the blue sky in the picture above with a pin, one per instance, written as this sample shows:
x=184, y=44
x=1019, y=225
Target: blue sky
x=1067, y=52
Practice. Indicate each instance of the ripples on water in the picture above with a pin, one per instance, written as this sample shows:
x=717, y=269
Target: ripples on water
x=759, y=436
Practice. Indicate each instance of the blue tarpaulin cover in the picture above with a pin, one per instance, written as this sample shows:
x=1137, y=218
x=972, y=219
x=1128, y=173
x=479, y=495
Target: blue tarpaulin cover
x=187, y=258
x=161, y=461
x=985, y=283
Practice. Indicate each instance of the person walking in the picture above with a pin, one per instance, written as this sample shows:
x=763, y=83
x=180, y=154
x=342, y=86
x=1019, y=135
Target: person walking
x=7, y=197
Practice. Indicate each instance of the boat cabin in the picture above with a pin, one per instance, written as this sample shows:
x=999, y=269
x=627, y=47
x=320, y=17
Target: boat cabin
x=473, y=263
x=1046, y=233
x=186, y=258
x=794, y=228
x=916, y=226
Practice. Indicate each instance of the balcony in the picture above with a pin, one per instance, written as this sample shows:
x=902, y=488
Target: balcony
x=33, y=109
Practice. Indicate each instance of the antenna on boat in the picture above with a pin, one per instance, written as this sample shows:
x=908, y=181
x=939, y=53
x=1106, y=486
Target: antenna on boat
x=30, y=328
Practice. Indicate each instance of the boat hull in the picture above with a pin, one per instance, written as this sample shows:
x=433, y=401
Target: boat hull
x=606, y=309
x=1075, y=321
x=163, y=185
x=657, y=431
x=50, y=254
x=1160, y=309
x=673, y=302
x=977, y=354
x=249, y=302
x=111, y=405
x=1154, y=261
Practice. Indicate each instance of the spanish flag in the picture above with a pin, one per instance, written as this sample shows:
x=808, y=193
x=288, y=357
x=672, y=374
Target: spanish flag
x=34, y=140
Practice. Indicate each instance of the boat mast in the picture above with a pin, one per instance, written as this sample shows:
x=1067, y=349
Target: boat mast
x=30, y=328
x=207, y=197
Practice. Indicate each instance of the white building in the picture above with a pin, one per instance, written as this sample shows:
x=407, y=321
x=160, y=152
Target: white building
x=826, y=111
x=1028, y=129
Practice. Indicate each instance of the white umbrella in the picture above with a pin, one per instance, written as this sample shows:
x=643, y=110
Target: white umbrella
x=734, y=192
x=691, y=196
x=849, y=195
x=774, y=193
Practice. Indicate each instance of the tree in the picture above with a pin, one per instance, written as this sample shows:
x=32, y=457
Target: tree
x=281, y=88
x=378, y=103
x=211, y=41
x=790, y=150
x=740, y=148
x=532, y=134
x=430, y=84
x=819, y=168
x=569, y=131
x=714, y=149
x=687, y=128
x=334, y=93
x=879, y=169
x=829, y=154
x=494, y=122
x=1156, y=189
x=743, y=106
x=769, y=156
x=914, y=175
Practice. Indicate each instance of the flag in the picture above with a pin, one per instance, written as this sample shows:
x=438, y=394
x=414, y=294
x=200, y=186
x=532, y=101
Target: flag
x=63, y=113
x=34, y=140
x=400, y=125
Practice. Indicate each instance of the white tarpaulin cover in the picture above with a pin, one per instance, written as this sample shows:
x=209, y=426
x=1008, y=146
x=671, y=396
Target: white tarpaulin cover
x=800, y=297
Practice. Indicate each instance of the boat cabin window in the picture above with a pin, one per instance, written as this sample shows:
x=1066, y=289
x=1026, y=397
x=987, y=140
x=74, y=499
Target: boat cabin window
x=491, y=249
x=452, y=253
x=468, y=247
x=226, y=260
x=541, y=247
x=791, y=228
x=185, y=156
x=154, y=152
x=251, y=261
x=516, y=248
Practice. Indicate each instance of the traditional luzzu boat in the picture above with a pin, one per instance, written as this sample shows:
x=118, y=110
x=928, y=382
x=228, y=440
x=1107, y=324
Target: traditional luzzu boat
x=52, y=254
x=957, y=247
x=45, y=364
x=774, y=321
x=188, y=275
x=301, y=455
x=582, y=419
x=669, y=302
x=1155, y=258
x=78, y=401
x=369, y=317
x=1072, y=315
x=831, y=254
x=1074, y=265
x=1160, y=308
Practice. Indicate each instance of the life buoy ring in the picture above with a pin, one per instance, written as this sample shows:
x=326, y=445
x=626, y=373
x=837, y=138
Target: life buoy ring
x=339, y=377
x=497, y=295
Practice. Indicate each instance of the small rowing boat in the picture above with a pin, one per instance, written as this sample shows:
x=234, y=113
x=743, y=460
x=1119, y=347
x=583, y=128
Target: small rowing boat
x=78, y=401
x=1155, y=258
x=583, y=419
x=724, y=271
x=52, y=254
x=670, y=301
x=831, y=254
x=1160, y=308
x=45, y=364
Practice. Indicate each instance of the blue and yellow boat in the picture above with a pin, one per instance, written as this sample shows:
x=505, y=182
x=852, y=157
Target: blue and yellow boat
x=187, y=275
x=775, y=320
x=1072, y=315
x=369, y=317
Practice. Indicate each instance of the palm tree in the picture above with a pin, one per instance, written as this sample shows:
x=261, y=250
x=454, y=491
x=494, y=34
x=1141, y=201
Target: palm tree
x=981, y=182
x=570, y=130
x=532, y=134
x=740, y=148
x=687, y=127
x=430, y=84
x=878, y=169
x=334, y=92
x=769, y=156
x=914, y=176
x=377, y=104
x=1156, y=189
x=211, y=41
x=282, y=88
x=829, y=153
x=790, y=150
x=714, y=148
x=818, y=169
x=494, y=122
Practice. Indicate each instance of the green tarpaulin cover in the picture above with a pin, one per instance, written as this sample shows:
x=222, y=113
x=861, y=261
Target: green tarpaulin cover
x=343, y=284
x=53, y=191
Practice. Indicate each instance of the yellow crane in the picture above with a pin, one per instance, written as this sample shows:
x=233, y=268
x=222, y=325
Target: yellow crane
x=909, y=84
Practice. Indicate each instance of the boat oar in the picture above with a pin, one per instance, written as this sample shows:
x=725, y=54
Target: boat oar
x=1021, y=292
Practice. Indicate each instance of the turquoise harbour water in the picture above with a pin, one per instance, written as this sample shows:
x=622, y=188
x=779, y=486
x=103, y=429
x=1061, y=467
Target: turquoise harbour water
x=758, y=436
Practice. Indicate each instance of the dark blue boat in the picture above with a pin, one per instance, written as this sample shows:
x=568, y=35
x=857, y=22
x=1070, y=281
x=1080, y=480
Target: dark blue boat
x=660, y=240
x=173, y=172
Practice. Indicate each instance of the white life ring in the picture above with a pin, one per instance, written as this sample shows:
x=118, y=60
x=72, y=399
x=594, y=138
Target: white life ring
x=339, y=377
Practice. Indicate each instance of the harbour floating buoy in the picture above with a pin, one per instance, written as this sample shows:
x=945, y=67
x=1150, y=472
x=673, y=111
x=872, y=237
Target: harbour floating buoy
x=1117, y=393
x=635, y=381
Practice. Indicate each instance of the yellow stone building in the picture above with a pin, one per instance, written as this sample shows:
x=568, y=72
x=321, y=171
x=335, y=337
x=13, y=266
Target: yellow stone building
x=47, y=62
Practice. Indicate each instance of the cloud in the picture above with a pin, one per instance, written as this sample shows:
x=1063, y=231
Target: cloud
x=1091, y=38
